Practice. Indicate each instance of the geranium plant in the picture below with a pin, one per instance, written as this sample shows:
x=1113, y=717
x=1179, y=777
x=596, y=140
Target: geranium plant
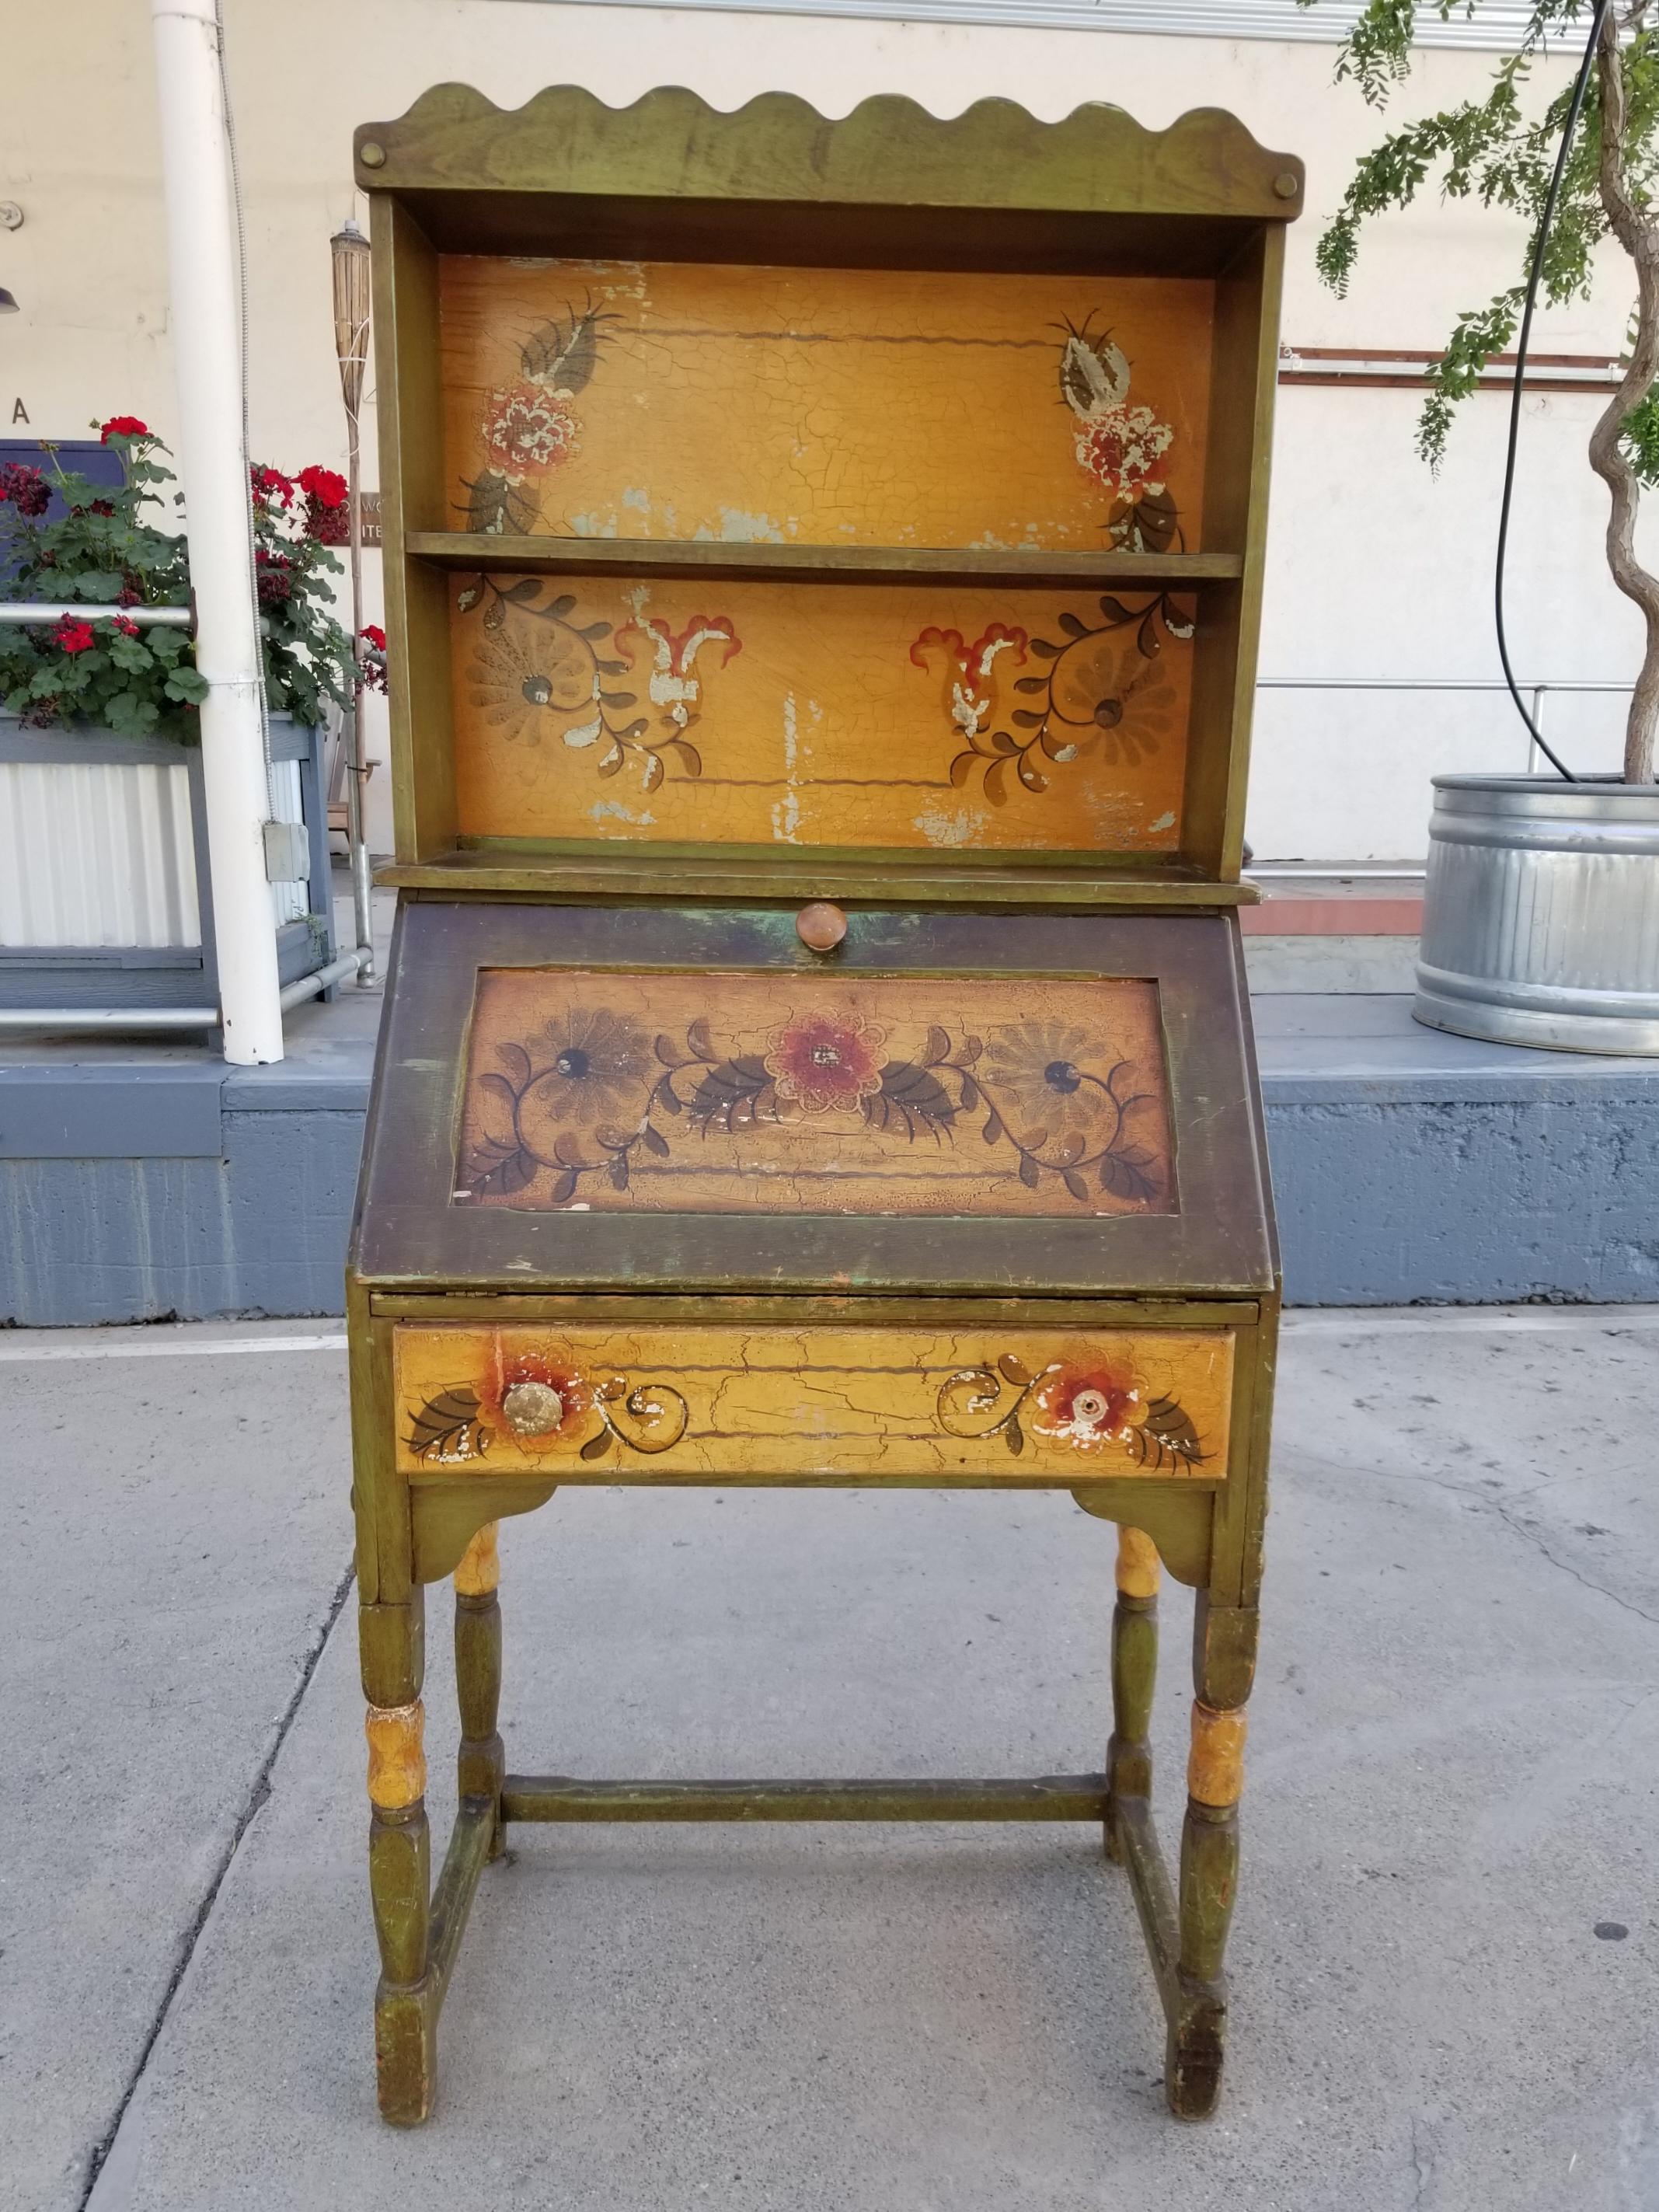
x=1493, y=150
x=109, y=548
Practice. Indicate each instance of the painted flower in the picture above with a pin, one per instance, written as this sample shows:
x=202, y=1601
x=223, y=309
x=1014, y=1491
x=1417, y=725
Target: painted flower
x=596, y=1069
x=528, y=431
x=826, y=1063
x=527, y=679
x=1103, y=687
x=539, y=1399
x=1033, y=1073
x=970, y=688
x=672, y=685
x=123, y=426
x=1123, y=447
x=1090, y=1406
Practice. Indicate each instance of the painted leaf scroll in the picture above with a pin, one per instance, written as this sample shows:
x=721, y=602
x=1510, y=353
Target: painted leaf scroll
x=1063, y=1406
x=895, y=407
x=813, y=1094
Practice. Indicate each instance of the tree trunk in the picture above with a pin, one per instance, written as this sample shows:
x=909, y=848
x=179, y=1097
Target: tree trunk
x=1639, y=236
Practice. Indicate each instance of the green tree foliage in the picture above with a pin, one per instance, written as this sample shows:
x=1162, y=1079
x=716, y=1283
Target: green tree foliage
x=1492, y=151
x=1502, y=150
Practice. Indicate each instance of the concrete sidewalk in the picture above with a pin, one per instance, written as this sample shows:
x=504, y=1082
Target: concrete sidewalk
x=1454, y=1742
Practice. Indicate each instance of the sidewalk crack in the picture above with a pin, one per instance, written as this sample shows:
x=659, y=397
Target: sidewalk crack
x=257, y=1795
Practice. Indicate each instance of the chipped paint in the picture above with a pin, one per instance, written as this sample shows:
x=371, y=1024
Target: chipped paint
x=616, y=810
x=942, y=826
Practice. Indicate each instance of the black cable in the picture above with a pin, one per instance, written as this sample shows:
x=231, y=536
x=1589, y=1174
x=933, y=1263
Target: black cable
x=1545, y=221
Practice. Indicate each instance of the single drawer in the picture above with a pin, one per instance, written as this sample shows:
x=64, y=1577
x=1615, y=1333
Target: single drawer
x=822, y=1401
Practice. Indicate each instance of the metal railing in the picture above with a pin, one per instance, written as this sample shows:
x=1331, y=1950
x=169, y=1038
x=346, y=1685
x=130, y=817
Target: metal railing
x=1380, y=872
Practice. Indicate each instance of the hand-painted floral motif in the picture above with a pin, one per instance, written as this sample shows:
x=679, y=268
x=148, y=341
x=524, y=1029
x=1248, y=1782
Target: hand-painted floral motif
x=529, y=426
x=588, y=1101
x=1123, y=447
x=1085, y=1408
x=546, y=1404
x=674, y=687
x=825, y=1062
x=528, y=431
x=1106, y=694
x=973, y=674
x=537, y=670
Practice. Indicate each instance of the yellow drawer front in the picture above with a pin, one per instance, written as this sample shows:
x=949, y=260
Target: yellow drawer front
x=994, y=1404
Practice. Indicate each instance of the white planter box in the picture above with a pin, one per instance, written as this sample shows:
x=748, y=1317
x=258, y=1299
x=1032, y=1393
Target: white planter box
x=104, y=874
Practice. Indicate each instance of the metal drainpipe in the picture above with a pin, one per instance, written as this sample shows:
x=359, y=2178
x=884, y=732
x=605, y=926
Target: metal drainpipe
x=202, y=255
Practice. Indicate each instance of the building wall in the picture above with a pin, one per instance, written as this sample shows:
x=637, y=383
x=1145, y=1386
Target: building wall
x=1378, y=570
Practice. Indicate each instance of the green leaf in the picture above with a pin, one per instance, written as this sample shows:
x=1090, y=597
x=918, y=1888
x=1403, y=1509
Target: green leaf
x=130, y=716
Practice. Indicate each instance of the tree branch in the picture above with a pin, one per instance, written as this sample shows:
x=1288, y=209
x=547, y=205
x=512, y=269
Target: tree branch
x=1639, y=236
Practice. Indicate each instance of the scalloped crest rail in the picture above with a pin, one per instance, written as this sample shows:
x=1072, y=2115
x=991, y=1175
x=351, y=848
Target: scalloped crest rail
x=866, y=515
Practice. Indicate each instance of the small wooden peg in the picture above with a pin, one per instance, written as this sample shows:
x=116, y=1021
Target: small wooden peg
x=820, y=927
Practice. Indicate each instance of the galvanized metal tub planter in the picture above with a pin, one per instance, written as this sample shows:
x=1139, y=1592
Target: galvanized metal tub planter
x=103, y=870
x=1540, y=917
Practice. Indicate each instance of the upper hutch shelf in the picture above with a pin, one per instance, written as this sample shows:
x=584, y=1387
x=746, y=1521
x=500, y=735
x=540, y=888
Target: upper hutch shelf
x=656, y=368
x=814, y=564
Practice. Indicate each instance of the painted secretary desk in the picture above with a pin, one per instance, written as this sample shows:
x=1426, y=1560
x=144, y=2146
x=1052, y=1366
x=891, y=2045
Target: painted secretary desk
x=823, y=565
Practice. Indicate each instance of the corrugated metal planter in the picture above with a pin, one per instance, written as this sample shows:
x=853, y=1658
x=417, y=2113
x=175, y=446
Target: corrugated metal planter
x=104, y=872
x=1540, y=916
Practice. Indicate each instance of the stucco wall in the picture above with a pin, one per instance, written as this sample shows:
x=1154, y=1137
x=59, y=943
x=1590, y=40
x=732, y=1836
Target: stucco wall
x=1377, y=569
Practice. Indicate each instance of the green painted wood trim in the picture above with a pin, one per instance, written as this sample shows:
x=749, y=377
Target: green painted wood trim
x=665, y=876
x=817, y=564
x=1044, y=1798
x=671, y=144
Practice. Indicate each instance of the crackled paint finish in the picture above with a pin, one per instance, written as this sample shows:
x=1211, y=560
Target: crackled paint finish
x=814, y=1093
x=1057, y=1406
x=878, y=406
x=903, y=716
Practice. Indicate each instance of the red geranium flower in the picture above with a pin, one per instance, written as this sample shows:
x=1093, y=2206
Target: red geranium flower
x=371, y=659
x=270, y=485
x=73, y=636
x=323, y=485
x=127, y=628
x=827, y=1062
x=123, y=426
x=26, y=488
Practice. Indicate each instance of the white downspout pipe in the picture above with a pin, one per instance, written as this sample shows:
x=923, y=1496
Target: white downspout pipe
x=207, y=367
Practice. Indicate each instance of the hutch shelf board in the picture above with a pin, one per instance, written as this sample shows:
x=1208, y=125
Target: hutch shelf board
x=823, y=562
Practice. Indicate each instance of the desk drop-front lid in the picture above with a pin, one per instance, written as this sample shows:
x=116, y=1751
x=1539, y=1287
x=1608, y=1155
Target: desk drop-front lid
x=686, y=1099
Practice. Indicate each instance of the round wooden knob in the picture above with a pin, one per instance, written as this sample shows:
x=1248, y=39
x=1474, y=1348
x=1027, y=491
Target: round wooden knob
x=820, y=927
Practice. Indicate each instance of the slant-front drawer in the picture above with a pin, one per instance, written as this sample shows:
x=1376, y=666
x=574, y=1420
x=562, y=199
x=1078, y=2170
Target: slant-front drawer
x=1052, y=1407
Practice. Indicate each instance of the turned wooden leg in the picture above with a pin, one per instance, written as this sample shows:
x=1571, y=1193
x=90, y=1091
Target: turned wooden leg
x=482, y=1760
x=399, y=1859
x=1224, y=1662
x=1134, y=1674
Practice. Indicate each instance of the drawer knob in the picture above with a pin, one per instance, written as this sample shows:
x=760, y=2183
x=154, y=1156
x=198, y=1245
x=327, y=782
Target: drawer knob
x=820, y=927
